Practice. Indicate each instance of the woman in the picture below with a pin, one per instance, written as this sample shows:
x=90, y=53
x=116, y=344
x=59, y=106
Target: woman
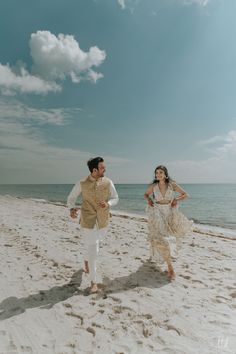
x=164, y=219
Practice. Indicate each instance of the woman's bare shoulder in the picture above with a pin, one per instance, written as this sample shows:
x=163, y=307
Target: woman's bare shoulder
x=173, y=184
x=150, y=186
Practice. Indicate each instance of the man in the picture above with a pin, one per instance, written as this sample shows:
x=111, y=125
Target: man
x=98, y=195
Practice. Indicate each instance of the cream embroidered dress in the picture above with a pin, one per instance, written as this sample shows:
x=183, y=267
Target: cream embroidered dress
x=165, y=221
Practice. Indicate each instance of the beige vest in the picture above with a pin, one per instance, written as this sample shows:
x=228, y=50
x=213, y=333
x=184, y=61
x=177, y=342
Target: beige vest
x=94, y=191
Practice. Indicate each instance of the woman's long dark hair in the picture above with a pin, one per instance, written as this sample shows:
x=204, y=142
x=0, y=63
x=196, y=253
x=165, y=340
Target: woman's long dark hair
x=164, y=169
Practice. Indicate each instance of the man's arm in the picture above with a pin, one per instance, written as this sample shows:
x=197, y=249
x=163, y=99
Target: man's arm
x=75, y=192
x=113, y=195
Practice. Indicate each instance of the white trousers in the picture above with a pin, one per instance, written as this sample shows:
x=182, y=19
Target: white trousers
x=91, y=239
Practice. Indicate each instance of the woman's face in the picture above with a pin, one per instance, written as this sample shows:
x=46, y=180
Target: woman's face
x=160, y=175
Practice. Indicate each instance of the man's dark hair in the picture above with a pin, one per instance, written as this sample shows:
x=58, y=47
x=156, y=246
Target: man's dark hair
x=93, y=163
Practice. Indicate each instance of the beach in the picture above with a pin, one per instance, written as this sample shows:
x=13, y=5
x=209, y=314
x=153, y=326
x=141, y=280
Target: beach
x=45, y=306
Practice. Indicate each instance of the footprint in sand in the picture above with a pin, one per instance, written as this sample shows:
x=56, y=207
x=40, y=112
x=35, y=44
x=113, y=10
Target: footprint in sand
x=26, y=349
x=217, y=301
x=185, y=276
x=233, y=295
x=75, y=315
x=187, y=307
x=67, y=305
x=91, y=330
x=116, y=299
x=222, y=297
x=197, y=281
x=230, y=288
x=121, y=309
x=173, y=328
x=148, y=316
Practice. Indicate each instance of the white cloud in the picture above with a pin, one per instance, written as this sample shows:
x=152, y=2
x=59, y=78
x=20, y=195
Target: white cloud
x=94, y=76
x=219, y=167
x=13, y=109
x=24, y=82
x=122, y=4
x=54, y=60
x=198, y=2
x=212, y=140
x=221, y=145
x=61, y=57
x=26, y=157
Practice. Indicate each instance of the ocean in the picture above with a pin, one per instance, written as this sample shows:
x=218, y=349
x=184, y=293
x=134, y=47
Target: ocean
x=208, y=204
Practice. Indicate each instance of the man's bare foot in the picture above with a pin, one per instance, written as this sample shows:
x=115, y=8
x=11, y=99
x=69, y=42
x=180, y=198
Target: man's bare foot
x=94, y=288
x=86, y=267
x=171, y=272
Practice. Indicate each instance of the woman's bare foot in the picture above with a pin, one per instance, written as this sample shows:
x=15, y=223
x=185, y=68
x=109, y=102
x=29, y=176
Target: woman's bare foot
x=86, y=267
x=94, y=288
x=101, y=286
x=171, y=272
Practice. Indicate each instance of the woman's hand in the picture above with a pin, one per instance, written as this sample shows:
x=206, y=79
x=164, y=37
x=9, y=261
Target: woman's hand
x=150, y=202
x=148, y=192
x=174, y=203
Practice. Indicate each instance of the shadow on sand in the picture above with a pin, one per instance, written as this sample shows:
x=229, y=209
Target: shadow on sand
x=147, y=275
x=46, y=299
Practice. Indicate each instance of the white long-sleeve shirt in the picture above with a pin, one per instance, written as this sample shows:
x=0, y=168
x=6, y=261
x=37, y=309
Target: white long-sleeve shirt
x=76, y=191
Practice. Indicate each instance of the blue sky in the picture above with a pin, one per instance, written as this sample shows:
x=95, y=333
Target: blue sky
x=139, y=82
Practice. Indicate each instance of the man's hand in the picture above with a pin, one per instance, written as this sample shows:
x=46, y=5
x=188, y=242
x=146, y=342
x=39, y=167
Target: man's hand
x=74, y=213
x=103, y=204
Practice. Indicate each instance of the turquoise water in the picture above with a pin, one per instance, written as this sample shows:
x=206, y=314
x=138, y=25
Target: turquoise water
x=211, y=204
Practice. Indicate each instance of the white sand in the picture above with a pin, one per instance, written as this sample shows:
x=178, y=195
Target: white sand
x=45, y=307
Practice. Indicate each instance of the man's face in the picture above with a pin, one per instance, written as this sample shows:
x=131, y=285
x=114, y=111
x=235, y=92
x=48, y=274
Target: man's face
x=101, y=169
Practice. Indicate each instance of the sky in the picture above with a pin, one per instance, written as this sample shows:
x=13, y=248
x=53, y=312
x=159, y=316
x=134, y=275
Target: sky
x=138, y=82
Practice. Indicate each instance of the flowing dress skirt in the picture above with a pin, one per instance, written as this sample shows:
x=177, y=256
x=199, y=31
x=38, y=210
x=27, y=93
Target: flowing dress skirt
x=165, y=221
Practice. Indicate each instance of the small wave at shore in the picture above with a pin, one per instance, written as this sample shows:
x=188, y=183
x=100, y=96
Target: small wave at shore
x=199, y=227
x=210, y=230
